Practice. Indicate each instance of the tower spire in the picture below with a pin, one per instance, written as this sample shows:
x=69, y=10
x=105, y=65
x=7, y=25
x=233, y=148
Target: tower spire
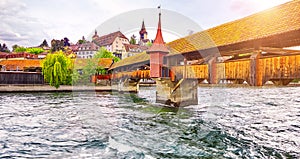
x=159, y=38
x=143, y=25
x=143, y=34
x=158, y=44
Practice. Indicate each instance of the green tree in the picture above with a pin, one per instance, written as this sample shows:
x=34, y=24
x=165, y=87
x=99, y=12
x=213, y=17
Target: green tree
x=57, y=69
x=91, y=65
x=34, y=50
x=4, y=48
x=88, y=70
x=14, y=47
x=57, y=45
x=81, y=41
x=103, y=53
x=72, y=74
x=101, y=71
x=20, y=49
x=149, y=44
x=132, y=39
x=44, y=44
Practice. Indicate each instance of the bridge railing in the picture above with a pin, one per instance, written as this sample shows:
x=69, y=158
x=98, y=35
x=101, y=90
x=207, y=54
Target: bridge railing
x=281, y=67
x=138, y=74
x=274, y=68
x=235, y=70
x=192, y=72
x=270, y=68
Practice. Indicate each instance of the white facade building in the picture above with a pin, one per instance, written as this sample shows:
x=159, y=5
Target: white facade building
x=87, y=50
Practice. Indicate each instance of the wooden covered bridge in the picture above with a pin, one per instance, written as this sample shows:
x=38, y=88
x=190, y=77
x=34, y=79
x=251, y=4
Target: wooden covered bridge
x=252, y=49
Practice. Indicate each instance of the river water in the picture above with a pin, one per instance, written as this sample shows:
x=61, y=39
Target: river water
x=227, y=123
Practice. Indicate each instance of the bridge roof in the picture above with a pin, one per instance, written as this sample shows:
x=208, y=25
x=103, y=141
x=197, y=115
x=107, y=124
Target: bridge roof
x=284, y=18
x=273, y=21
x=139, y=58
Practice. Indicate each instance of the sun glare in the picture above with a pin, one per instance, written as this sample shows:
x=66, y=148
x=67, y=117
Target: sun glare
x=265, y=4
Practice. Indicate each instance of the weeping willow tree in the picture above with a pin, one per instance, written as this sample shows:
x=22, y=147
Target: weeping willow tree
x=57, y=69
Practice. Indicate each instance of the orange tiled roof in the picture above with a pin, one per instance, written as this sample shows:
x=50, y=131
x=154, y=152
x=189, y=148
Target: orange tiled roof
x=105, y=62
x=11, y=65
x=279, y=19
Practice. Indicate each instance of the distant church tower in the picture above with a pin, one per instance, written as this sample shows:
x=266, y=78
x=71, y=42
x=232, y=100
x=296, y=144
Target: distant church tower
x=143, y=35
x=95, y=36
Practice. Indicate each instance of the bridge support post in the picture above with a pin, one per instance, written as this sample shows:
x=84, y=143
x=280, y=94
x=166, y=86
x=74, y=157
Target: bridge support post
x=212, y=69
x=255, y=70
x=181, y=93
x=126, y=85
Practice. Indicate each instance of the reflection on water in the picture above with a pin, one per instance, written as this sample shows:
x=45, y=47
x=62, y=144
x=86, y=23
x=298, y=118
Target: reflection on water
x=227, y=123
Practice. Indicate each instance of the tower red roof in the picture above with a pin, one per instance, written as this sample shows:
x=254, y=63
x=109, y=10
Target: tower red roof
x=159, y=38
x=158, y=44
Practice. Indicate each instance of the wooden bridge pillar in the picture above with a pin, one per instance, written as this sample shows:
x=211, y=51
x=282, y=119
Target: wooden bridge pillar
x=126, y=85
x=181, y=93
x=212, y=68
x=255, y=78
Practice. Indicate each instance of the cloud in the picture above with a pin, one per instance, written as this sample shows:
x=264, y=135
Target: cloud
x=250, y=6
x=242, y=6
x=28, y=23
x=18, y=28
x=11, y=7
x=11, y=37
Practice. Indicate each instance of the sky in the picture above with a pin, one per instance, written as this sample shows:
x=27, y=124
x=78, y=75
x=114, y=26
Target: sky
x=28, y=22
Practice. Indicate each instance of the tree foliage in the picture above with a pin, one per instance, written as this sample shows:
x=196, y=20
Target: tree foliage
x=20, y=49
x=81, y=41
x=132, y=39
x=35, y=50
x=3, y=48
x=66, y=41
x=91, y=66
x=57, y=45
x=101, y=70
x=149, y=44
x=88, y=70
x=57, y=69
x=44, y=44
x=103, y=53
x=14, y=47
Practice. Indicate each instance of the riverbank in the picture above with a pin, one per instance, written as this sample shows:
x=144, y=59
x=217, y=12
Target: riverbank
x=47, y=88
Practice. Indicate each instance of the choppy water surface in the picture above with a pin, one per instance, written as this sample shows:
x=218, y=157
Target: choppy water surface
x=227, y=123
